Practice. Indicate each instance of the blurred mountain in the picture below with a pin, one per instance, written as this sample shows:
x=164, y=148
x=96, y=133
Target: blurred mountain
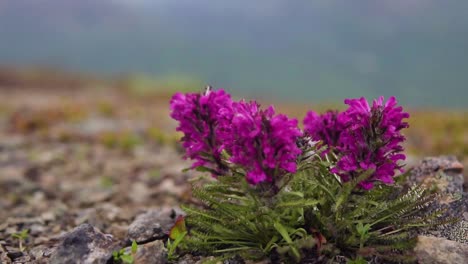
x=307, y=50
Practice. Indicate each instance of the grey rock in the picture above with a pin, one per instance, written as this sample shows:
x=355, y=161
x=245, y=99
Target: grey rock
x=36, y=229
x=188, y=259
x=234, y=260
x=152, y=225
x=457, y=232
x=445, y=172
x=96, y=125
x=37, y=252
x=150, y=253
x=85, y=244
x=42, y=253
x=440, y=251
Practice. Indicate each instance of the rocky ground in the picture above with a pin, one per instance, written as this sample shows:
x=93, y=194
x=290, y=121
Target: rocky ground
x=83, y=174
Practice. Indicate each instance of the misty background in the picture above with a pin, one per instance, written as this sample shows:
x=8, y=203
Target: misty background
x=308, y=51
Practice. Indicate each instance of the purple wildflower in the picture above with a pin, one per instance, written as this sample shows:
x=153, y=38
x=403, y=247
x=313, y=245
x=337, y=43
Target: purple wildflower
x=371, y=140
x=326, y=127
x=263, y=143
x=199, y=116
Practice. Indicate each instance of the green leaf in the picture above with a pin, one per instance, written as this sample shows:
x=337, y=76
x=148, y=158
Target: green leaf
x=178, y=229
x=203, y=169
x=270, y=244
x=359, y=260
x=21, y=235
x=349, y=187
x=299, y=203
x=134, y=247
x=127, y=258
x=173, y=246
x=362, y=229
x=284, y=233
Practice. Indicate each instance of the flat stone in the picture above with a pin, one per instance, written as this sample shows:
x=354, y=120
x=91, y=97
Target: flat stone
x=151, y=253
x=37, y=252
x=189, y=259
x=85, y=244
x=3, y=254
x=15, y=254
x=152, y=225
x=99, y=216
x=440, y=251
x=139, y=192
x=235, y=260
x=186, y=259
x=4, y=259
x=91, y=196
x=23, y=259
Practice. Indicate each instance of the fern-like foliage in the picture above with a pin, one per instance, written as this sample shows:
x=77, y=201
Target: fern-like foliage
x=313, y=217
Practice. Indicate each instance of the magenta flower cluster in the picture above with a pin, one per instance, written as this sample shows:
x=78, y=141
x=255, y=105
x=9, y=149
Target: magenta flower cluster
x=262, y=142
x=326, y=128
x=220, y=134
x=199, y=118
x=258, y=141
x=366, y=138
